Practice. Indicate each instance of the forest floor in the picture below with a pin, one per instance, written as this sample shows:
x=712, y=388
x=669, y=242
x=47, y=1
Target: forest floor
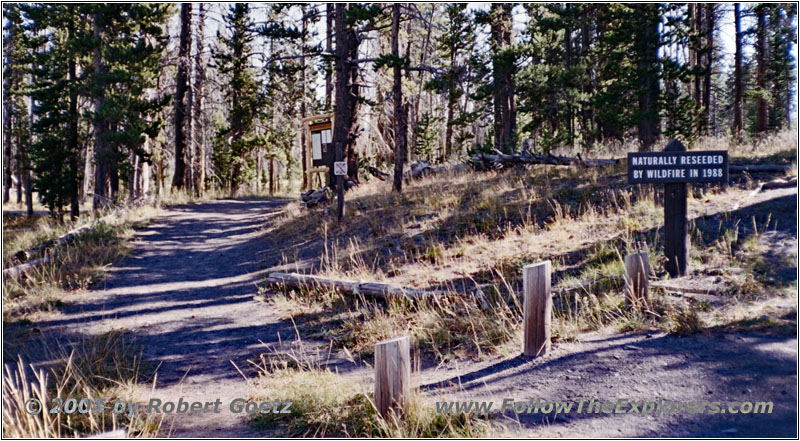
x=191, y=294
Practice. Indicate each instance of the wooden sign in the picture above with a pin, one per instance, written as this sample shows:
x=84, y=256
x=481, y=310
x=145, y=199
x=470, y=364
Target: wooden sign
x=670, y=167
x=676, y=168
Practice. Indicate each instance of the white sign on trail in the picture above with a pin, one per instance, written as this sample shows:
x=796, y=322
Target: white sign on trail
x=340, y=168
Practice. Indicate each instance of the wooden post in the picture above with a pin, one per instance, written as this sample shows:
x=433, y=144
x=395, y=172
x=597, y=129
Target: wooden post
x=538, y=309
x=392, y=375
x=676, y=230
x=637, y=269
x=339, y=185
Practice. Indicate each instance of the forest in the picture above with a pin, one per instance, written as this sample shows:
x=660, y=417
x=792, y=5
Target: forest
x=170, y=231
x=104, y=103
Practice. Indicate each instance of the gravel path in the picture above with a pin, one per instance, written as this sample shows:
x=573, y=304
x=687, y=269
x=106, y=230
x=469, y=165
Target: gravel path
x=187, y=292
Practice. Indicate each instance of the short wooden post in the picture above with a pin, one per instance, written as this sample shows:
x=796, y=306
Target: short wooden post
x=392, y=375
x=538, y=308
x=637, y=268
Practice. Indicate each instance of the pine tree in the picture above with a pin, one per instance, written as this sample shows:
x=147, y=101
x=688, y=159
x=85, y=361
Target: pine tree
x=236, y=141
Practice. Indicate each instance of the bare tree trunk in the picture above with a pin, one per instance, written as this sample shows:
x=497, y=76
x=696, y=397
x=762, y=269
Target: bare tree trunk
x=347, y=89
x=271, y=175
x=709, y=64
x=451, y=103
x=199, y=96
x=421, y=76
x=182, y=84
x=761, y=68
x=737, y=76
x=303, y=158
x=648, y=127
x=399, y=114
x=8, y=170
x=505, y=118
x=329, y=13
x=100, y=199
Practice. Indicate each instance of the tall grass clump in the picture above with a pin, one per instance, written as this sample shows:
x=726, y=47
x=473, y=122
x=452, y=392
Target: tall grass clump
x=326, y=404
x=106, y=366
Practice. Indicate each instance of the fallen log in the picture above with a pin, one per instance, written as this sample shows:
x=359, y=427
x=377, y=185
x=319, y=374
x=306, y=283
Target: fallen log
x=528, y=158
x=780, y=183
x=65, y=239
x=374, y=171
x=352, y=287
x=758, y=168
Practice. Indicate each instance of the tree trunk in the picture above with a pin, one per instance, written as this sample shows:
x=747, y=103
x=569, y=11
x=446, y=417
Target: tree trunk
x=303, y=155
x=181, y=85
x=329, y=13
x=347, y=90
x=199, y=96
x=72, y=142
x=761, y=69
x=647, y=47
x=421, y=77
x=505, y=118
x=8, y=169
x=100, y=199
x=451, y=104
x=709, y=64
x=399, y=114
x=737, y=76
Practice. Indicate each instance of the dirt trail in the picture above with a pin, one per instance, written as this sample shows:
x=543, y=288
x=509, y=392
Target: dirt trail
x=187, y=292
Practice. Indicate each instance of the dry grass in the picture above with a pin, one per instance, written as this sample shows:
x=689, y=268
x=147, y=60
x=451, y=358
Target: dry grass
x=73, y=267
x=325, y=404
x=107, y=366
x=469, y=232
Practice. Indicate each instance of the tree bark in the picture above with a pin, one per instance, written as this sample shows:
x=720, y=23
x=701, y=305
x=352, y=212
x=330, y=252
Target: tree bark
x=505, y=118
x=647, y=45
x=304, y=158
x=72, y=141
x=347, y=90
x=101, y=171
x=8, y=170
x=199, y=97
x=181, y=86
x=737, y=76
x=709, y=65
x=761, y=68
x=399, y=114
x=329, y=14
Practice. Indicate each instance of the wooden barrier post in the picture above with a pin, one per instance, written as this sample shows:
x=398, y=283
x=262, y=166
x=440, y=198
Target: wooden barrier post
x=392, y=375
x=637, y=269
x=538, y=309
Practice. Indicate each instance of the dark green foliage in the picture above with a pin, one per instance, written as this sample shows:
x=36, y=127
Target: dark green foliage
x=237, y=139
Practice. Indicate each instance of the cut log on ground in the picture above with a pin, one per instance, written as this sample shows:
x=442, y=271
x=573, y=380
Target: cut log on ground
x=353, y=287
x=486, y=161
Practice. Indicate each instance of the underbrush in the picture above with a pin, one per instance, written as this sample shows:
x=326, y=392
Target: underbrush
x=107, y=366
x=72, y=267
x=471, y=233
x=326, y=404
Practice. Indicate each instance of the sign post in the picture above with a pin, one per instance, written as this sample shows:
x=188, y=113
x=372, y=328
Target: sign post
x=675, y=168
x=340, y=171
